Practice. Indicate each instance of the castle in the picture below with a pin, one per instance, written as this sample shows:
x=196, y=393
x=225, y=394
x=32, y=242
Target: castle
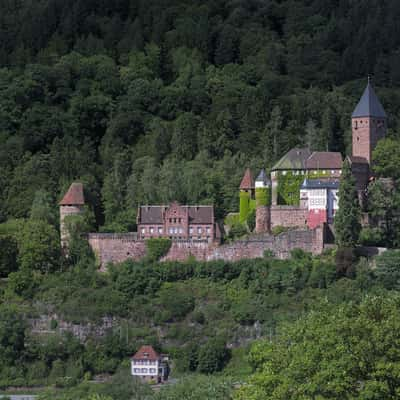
x=301, y=193
x=302, y=190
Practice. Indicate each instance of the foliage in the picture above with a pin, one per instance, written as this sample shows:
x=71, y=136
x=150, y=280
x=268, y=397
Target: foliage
x=244, y=198
x=157, y=248
x=387, y=269
x=386, y=158
x=8, y=255
x=263, y=197
x=12, y=336
x=251, y=220
x=197, y=388
x=232, y=219
x=278, y=229
x=372, y=237
x=39, y=246
x=384, y=210
x=347, y=219
x=289, y=188
x=317, y=358
x=237, y=231
x=213, y=356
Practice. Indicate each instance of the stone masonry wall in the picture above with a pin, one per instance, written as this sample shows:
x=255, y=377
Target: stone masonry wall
x=263, y=217
x=289, y=216
x=118, y=248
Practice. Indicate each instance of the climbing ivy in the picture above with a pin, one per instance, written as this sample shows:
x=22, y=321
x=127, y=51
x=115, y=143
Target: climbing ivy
x=244, y=205
x=263, y=197
x=289, y=188
x=157, y=248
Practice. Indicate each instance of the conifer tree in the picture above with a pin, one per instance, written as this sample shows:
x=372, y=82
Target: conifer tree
x=347, y=219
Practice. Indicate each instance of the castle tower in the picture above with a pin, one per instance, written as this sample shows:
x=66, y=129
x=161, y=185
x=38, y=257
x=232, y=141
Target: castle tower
x=368, y=124
x=263, y=203
x=246, y=195
x=71, y=204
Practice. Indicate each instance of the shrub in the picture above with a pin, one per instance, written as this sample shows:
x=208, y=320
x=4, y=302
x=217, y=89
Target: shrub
x=251, y=220
x=388, y=269
x=277, y=230
x=157, y=248
x=213, y=356
x=237, y=231
x=371, y=237
x=8, y=255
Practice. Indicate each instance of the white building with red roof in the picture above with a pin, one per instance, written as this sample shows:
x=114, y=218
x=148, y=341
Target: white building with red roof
x=149, y=365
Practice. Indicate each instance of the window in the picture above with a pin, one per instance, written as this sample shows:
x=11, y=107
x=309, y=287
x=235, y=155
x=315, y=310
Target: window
x=191, y=230
x=199, y=231
x=175, y=230
x=152, y=370
x=208, y=230
x=151, y=230
x=143, y=231
x=180, y=230
x=160, y=231
x=136, y=370
x=174, y=220
x=171, y=230
x=180, y=220
x=144, y=370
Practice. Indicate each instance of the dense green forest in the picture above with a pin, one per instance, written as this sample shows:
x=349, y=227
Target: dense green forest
x=153, y=101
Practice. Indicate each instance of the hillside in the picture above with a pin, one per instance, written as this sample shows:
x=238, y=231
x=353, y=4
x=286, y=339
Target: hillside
x=148, y=102
x=149, y=110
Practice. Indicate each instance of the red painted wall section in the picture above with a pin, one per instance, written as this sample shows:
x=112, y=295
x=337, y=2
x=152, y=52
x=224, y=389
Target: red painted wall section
x=317, y=218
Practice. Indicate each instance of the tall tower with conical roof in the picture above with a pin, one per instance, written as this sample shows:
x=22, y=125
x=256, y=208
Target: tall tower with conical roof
x=246, y=195
x=368, y=124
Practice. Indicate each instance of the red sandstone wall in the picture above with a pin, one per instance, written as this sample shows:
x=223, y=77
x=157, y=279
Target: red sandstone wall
x=263, y=217
x=115, y=248
x=288, y=216
x=118, y=248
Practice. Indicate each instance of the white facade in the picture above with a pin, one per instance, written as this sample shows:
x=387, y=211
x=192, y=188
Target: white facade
x=320, y=199
x=146, y=368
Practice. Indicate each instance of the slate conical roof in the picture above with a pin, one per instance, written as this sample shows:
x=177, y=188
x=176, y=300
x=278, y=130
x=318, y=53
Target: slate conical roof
x=74, y=196
x=262, y=177
x=247, y=181
x=369, y=105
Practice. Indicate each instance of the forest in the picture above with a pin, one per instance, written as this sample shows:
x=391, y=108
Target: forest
x=148, y=102
x=151, y=101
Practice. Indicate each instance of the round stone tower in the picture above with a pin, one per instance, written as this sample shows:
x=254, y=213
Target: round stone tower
x=72, y=204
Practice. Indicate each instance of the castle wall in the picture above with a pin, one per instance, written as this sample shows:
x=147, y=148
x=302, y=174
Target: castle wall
x=288, y=216
x=116, y=248
x=120, y=247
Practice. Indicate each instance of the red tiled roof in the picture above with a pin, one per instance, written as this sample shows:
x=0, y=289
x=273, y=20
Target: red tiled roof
x=74, y=196
x=146, y=353
x=247, y=181
x=324, y=160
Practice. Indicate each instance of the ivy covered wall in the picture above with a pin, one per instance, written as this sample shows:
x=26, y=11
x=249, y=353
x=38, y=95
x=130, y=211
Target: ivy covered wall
x=289, y=188
x=263, y=197
x=247, y=204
